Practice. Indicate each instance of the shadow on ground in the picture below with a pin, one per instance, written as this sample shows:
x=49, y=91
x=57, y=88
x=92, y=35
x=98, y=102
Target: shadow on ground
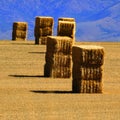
x=26, y=75
x=36, y=52
x=49, y=92
x=19, y=43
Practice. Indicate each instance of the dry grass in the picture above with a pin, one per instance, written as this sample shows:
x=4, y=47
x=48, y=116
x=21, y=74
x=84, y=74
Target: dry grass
x=26, y=95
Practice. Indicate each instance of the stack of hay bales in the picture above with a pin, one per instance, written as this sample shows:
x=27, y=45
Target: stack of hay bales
x=66, y=27
x=43, y=28
x=87, y=68
x=19, y=31
x=58, y=57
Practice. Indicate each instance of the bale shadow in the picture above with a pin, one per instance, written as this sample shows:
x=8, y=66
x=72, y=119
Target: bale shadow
x=26, y=75
x=51, y=92
x=36, y=52
x=22, y=43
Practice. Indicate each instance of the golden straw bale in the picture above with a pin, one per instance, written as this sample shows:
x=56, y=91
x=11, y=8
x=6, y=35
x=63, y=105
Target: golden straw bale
x=20, y=26
x=19, y=39
x=87, y=73
x=43, y=40
x=51, y=70
x=58, y=57
x=86, y=86
x=61, y=65
x=87, y=68
x=43, y=28
x=66, y=19
x=58, y=60
x=43, y=31
x=66, y=28
x=59, y=44
x=20, y=33
x=87, y=55
x=44, y=21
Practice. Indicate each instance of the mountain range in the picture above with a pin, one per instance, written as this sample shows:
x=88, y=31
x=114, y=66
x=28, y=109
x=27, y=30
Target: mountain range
x=96, y=20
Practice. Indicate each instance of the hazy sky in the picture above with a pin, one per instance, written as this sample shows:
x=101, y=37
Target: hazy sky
x=96, y=20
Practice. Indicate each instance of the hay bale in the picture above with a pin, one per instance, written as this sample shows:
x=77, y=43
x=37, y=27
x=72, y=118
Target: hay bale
x=19, y=31
x=43, y=40
x=51, y=70
x=46, y=31
x=87, y=55
x=66, y=19
x=87, y=68
x=44, y=21
x=86, y=86
x=18, y=39
x=87, y=73
x=20, y=26
x=59, y=44
x=66, y=28
x=58, y=60
x=43, y=28
x=58, y=57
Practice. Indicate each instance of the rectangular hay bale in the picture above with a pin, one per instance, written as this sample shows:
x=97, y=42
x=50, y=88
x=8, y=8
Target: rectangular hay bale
x=58, y=57
x=40, y=32
x=87, y=68
x=43, y=28
x=51, y=70
x=87, y=55
x=66, y=28
x=44, y=21
x=87, y=73
x=20, y=33
x=86, y=86
x=43, y=40
x=60, y=45
x=66, y=19
x=20, y=26
x=58, y=60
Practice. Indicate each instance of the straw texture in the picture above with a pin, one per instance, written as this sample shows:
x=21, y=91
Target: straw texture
x=58, y=57
x=66, y=28
x=66, y=19
x=43, y=28
x=19, y=31
x=87, y=69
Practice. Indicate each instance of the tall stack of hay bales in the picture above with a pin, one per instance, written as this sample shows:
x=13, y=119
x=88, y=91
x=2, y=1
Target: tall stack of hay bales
x=87, y=68
x=58, y=57
x=66, y=27
x=43, y=28
x=19, y=31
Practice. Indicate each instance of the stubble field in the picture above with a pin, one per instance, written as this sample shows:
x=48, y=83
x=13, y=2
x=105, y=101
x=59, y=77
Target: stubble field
x=25, y=94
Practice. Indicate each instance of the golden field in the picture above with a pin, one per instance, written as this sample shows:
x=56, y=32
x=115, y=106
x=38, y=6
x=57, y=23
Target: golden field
x=25, y=94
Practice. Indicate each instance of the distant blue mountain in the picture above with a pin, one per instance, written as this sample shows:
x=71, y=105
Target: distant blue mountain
x=97, y=20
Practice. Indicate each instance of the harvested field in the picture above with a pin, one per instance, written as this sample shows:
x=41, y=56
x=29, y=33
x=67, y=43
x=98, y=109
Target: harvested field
x=25, y=94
